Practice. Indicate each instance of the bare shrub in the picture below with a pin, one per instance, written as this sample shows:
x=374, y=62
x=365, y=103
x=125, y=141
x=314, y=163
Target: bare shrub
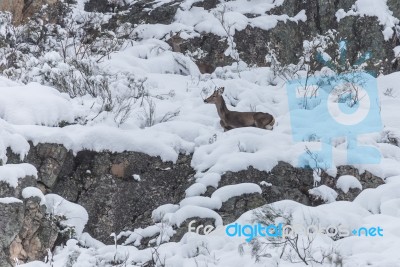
x=149, y=114
x=294, y=247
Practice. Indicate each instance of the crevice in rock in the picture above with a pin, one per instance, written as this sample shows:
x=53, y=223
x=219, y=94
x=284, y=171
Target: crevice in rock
x=317, y=17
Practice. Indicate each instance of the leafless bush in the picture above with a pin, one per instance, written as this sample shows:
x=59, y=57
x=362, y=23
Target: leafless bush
x=324, y=55
x=203, y=256
x=149, y=112
x=390, y=137
x=389, y=92
x=220, y=15
x=293, y=247
x=213, y=139
x=65, y=54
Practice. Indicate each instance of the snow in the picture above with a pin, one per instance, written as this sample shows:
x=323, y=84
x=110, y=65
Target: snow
x=136, y=177
x=75, y=215
x=34, y=264
x=264, y=183
x=189, y=250
x=159, y=212
x=81, y=4
x=187, y=212
x=196, y=130
x=196, y=189
x=196, y=127
x=36, y=105
x=29, y=192
x=10, y=200
x=102, y=137
x=11, y=173
x=231, y=15
x=206, y=202
x=87, y=240
x=163, y=231
x=396, y=51
x=209, y=179
x=373, y=199
x=9, y=138
x=373, y=8
x=346, y=182
x=34, y=113
x=226, y=192
x=391, y=207
x=324, y=192
x=252, y=6
x=144, y=57
x=242, y=148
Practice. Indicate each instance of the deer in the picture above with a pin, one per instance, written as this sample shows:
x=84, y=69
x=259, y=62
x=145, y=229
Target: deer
x=234, y=119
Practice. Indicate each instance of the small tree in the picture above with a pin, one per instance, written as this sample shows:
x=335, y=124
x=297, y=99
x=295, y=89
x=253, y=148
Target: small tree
x=293, y=247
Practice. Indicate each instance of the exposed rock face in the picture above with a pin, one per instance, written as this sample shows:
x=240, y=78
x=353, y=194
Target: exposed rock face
x=209, y=50
x=25, y=231
x=8, y=191
x=11, y=219
x=105, y=6
x=234, y=207
x=37, y=233
x=15, y=7
x=288, y=182
x=103, y=183
x=364, y=34
x=49, y=160
x=366, y=179
x=22, y=9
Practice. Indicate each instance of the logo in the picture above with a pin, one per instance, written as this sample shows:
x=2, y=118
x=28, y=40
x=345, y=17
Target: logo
x=249, y=231
x=200, y=229
x=323, y=108
x=290, y=231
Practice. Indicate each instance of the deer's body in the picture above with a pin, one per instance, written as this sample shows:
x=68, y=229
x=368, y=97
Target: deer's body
x=235, y=119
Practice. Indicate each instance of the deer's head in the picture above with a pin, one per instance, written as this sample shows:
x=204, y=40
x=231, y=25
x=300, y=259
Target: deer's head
x=216, y=97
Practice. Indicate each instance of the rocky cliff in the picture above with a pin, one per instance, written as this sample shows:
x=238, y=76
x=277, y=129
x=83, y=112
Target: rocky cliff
x=363, y=33
x=102, y=182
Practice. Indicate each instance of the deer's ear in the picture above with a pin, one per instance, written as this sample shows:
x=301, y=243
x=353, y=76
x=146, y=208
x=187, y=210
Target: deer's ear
x=221, y=90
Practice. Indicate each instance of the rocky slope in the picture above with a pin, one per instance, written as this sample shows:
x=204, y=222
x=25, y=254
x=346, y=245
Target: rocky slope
x=102, y=182
x=363, y=33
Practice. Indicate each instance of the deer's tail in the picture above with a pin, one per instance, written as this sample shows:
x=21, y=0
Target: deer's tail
x=270, y=125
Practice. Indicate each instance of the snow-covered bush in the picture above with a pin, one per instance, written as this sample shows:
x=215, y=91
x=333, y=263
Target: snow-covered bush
x=323, y=58
x=66, y=54
x=291, y=246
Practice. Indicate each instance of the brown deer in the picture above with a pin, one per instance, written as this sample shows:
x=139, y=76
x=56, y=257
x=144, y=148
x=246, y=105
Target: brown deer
x=234, y=119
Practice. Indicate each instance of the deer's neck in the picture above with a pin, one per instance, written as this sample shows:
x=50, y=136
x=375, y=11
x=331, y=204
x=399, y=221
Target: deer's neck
x=222, y=109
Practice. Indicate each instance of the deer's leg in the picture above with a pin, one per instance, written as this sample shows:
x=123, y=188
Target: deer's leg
x=225, y=126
